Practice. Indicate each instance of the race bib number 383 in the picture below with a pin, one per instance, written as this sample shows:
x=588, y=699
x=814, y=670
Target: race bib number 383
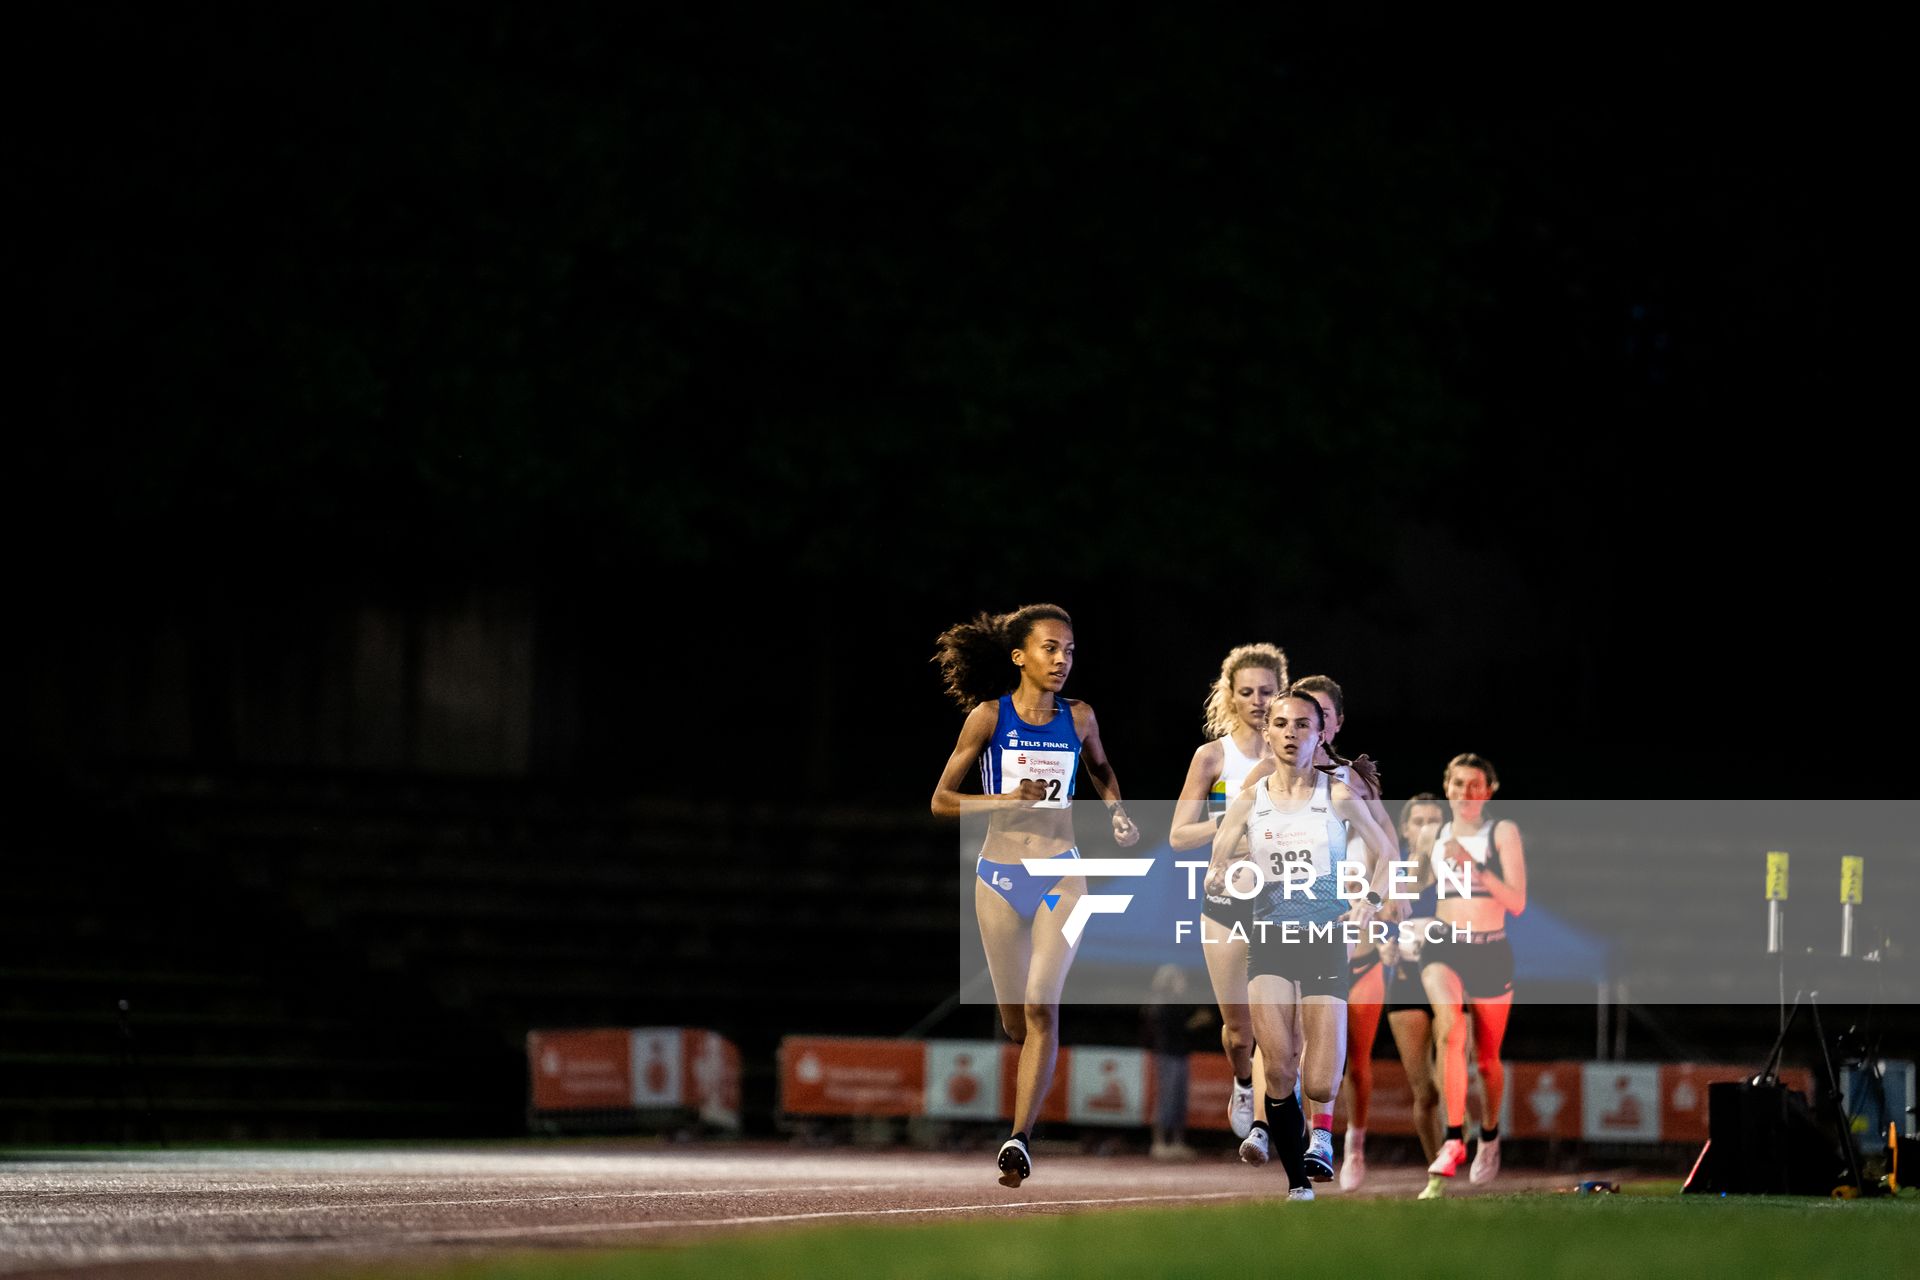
x=1052, y=769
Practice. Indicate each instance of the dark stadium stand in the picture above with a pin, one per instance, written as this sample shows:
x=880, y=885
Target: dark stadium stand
x=238, y=1022
x=334, y=957
x=323, y=956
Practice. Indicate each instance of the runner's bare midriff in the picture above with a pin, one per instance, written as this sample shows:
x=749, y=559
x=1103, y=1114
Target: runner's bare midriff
x=1027, y=833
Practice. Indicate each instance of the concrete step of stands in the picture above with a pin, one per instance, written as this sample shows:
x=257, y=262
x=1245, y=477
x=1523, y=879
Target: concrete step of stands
x=161, y=990
x=180, y=1034
x=66, y=1118
x=252, y=1075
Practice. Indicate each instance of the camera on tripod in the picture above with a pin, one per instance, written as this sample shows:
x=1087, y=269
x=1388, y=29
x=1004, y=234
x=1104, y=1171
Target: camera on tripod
x=1767, y=1139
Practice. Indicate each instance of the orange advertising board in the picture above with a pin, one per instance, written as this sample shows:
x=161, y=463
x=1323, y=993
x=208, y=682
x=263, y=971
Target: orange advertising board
x=1209, y=1085
x=1390, y=1109
x=1572, y=1100
x=831, y=1076
x=1544, y=1099
x=580, y=1070
x=1683, y=1095
x=1055, y=1105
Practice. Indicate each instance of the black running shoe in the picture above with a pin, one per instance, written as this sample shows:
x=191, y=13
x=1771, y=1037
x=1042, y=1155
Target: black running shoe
x=1016, y=1166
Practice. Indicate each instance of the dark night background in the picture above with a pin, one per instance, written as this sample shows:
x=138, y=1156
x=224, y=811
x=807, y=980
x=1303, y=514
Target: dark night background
x=591, y=407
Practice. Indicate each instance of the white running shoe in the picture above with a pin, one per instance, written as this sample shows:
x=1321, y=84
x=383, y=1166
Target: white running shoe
x=1240, y=1109
x=1318, y=1160
x=1254, y=1149
x=1016, y=1165
x=1436, y=1188
x=1353, y=1165
x=1453, y=1154
x=1300, y=1193
x=1486, y=1162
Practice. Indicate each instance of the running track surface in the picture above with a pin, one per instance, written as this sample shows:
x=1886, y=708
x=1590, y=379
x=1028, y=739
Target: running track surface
x=235, y=1214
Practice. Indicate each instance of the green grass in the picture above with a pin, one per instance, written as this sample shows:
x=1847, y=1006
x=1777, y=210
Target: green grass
x=1485, y=1237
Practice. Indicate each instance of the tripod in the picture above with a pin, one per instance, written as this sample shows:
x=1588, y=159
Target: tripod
x=1828, y=1104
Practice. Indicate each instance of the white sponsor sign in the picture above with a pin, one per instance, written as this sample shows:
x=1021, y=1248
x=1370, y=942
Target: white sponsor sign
x=714, y=1092
x=656, y=1067
x=1620, y=1102
x=1107, y=1086
x=963, y=1080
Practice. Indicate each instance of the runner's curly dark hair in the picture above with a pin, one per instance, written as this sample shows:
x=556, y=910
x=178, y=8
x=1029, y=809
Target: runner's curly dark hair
x=974, y=656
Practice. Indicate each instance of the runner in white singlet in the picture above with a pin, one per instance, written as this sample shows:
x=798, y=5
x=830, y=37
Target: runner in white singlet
x=1251, y=676
x=1295, y=825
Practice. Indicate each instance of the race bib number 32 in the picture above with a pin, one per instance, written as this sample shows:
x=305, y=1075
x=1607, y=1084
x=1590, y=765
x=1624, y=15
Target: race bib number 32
x=1051, y=769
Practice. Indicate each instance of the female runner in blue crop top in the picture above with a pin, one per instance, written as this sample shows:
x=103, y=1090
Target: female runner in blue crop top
x=1028, y=742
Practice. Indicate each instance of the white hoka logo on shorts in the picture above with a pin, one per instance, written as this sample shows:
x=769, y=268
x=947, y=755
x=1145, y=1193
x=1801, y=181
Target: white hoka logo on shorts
x=1091, y=904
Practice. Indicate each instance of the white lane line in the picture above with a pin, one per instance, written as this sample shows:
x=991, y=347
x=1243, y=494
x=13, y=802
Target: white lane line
x=655, y=1224
x=76, y=1257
